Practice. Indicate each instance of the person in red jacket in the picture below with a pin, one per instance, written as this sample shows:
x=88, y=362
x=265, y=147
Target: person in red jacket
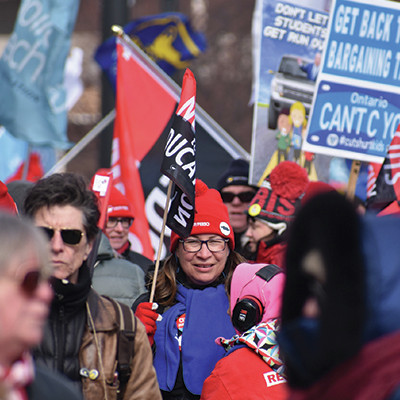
x=272, y=209
x=252, y=367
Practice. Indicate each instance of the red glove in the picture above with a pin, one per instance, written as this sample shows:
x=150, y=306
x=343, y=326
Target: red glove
x=145, y=312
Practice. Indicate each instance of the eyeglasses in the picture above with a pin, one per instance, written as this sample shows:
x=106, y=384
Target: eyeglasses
x=113, y=222
x=195, y=245
x=244, y=197
x=31, y=281
x=69, y=236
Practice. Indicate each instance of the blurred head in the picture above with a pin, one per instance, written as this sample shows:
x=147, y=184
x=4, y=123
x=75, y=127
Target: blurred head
x=119, y=219
x=324, y=288
x=275, y=203
x=66, y=210
x=25, y=293
x=236, y=193
x=212, y=228
x=18, y=190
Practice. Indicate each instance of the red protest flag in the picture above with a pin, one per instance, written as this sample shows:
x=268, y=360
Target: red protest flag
x=373, y=172
x=179, y=162
x=34, y=172
x=387, y=185
x=144, y=105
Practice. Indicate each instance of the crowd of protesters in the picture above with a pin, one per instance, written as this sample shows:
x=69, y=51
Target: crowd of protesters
x=285, y=291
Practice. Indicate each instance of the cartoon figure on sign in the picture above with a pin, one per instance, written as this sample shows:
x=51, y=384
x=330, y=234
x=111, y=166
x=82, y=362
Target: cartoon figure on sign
x=283, y=137
x=297, y=118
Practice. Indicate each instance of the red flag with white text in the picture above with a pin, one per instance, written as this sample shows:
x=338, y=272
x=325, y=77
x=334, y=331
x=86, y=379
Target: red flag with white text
x=179, y=162
x=144, y=105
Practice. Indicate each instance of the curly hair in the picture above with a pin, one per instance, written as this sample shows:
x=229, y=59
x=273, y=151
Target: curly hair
x=166, y=285
x=61, y=190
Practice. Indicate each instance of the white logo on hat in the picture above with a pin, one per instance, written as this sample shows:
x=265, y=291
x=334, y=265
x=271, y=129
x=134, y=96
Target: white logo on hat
x=201, y=224
x=224, y=228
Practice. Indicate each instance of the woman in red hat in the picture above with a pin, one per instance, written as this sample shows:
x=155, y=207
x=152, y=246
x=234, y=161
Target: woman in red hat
x=272, y=210
x=191, y=300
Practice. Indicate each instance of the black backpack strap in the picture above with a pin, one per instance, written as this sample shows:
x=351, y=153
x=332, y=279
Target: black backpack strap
x=269, y=271
x=126, y=342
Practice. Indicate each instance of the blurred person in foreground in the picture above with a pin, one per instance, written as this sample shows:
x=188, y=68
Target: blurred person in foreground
x=82, y=334
x=25, y=297
x=272, y=209
x=252, y=367
x=236, y=193
x=340, y=333
x=191, y=302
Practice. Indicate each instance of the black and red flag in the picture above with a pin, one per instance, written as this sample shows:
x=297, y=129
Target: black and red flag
x=179, y=162
x=387, y=186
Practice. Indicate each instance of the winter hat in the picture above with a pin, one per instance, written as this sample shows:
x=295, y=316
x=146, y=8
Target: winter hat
x=118, y=205
x=245, y=282
x=236, y=174
x=6, y=201
x=314, y=188
x=18, y=190
x=211, y=216
x=277, y=200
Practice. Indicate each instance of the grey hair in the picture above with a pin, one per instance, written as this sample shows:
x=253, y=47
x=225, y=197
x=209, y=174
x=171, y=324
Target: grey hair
x=18, y=239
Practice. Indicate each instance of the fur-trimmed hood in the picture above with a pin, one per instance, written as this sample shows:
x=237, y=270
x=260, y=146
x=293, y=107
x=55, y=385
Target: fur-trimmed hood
x=359, y=299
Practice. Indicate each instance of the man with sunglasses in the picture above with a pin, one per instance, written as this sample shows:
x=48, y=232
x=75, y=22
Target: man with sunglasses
x=236, y=193
x=82, y=332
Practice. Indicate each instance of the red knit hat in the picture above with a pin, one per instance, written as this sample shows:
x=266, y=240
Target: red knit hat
x=211, y=216
x=314, y=188
x=279, y=197
x=118, y=205
x=6, y=201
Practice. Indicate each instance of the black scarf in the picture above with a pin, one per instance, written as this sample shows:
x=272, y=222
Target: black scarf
x=72, y=297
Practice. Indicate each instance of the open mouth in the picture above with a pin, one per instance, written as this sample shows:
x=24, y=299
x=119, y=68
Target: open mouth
x=208, y=266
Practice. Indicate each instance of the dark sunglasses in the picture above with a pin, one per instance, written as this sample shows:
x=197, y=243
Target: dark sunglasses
x=69, y=236
x=244, y=197
x=31, y=281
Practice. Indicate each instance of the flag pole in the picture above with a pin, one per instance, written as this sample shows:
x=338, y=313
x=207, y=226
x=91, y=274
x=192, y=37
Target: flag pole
x=167, y=201
x=63, y=161
x=26, y=166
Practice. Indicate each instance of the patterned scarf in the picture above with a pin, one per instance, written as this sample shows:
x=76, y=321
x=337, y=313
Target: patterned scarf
x=14, y=379
x=262, y=340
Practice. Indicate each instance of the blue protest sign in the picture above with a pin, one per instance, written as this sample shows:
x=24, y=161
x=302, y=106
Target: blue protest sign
x=287, y=56
x=356, y=109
